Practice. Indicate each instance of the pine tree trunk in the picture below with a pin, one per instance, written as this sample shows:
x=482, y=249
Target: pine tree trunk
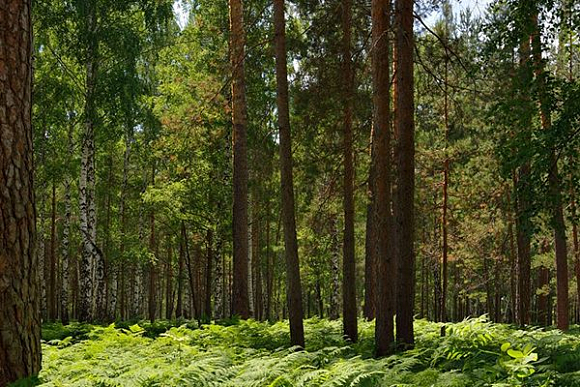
x=169, y=281
x=444, y=230
x=370, y=251
x=294, y=292
x=349, y=307
x=269, y=267
x=20, y=351
x=180, y=274
x=40, y=251
x=241, y=304
x=256, y=262
x=381, y=165
x=554, y=183
x=334, y=269
x=208, y=273
x=405, y=108
x=190, y=274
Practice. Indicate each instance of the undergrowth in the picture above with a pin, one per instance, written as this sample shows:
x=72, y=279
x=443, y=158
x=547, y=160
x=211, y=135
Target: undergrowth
x=473, y=353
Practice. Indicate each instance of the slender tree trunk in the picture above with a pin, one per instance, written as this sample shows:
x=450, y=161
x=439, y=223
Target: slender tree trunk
x=123, y=212
x=349, y=307
x=256, y=262
x=87, y=178
x=107, y=287
x=169, y=305
x=554, y=183
x=381, y=164
x=406, y=172
x=370, y=267
x=294, y=292
x=218, y=311
x=20, y=352
x=209, y=272
x=335, y=269
x=64, y=304
x=269, y=267
x=241, y=304
x=190, y=272
x=576, y=247
x=151, y=264
x=52, y=315
x=40, y=251
x=180, y=274
x=444, y=220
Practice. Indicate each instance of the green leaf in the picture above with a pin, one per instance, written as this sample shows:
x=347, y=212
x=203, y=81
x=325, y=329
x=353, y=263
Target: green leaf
x=515, y=354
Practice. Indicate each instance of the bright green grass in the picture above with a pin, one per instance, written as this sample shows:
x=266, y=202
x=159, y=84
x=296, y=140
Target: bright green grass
x=249, y=353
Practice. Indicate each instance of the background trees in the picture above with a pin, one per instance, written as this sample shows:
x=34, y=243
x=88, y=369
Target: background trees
x=429, y=161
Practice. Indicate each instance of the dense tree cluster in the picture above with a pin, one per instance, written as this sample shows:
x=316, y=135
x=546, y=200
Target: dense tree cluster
x=384, y=159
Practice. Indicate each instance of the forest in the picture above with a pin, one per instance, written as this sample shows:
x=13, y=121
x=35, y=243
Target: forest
x=289, y=193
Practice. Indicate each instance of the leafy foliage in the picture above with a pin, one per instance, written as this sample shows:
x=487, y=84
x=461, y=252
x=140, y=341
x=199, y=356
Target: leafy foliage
x=474, y=352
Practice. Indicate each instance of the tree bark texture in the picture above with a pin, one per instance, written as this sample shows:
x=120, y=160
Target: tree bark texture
x=294, y=290
x=20, y=352
x=381, y=165
x=87, y=177
x=241, y=303
x=405, y=107
x=349, y=307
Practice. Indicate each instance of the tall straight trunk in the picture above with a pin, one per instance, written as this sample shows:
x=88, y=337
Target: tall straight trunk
x=40, y=251
x=208, y=273
x=497, y=291
x=513, y=271
x=87, y=177
x=20, y=352
x=123, y=211
x=294, y=291
x=106, y=278
x=554, y=183
x=335, y=269
x=576, y=254
x=190, y=274
x=180, y=274
x=269, y=267
x=169, y=281
x=218, y=285
x=349, y=307
x=251, y=268
x=256, y=262
x=52, y=307
x=405, y=107
x=522, y=187
x=381, y=165
x=370, y=267
x=444, y=220
x=64, y=303
x=573, y=207
x=151, y=264
x=241, y=303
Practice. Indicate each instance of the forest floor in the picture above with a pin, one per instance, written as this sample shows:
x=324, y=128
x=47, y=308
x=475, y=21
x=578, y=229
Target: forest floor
x=474, y=352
